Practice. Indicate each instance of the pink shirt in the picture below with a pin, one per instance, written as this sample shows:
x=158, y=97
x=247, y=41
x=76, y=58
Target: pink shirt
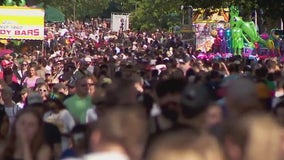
x=30, y=82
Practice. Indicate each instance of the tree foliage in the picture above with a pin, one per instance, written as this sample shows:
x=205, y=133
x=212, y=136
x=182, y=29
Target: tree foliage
x=153, y=14
x=92, y=8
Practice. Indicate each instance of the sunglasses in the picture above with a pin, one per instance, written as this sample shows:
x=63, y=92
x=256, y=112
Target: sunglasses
x=42, y=90
x=25, y=64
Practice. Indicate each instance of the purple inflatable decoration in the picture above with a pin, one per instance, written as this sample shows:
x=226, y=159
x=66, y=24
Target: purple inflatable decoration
x=221, y=35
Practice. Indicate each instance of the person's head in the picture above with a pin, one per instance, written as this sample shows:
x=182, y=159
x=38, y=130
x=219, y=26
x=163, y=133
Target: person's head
x=247, y=138
x=39, y=81
x=82, y=86
x=241, y=97
x=83, y=65
x=32, y=70
x=91, y=80
x=169, y=96
x=40, y=107
x=29, y=121
x=261, y=73
x=71, y=89
x=213, y=115
x=24, y=94
x=185, y=145
x=234, y=68
x=122, y=92
x=121, y=127
x=54, y=105
x=27, y=126
x=60, y=88
x=7, y=75
x=24, y=65
x=43, y=90
x=48, y=75
x=194, y=102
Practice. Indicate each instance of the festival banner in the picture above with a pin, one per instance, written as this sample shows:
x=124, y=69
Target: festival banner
x=21, y=23
x=205, y=25
x=119, y=21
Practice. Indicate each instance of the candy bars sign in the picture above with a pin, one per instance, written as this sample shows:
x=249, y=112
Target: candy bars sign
x=21, y=23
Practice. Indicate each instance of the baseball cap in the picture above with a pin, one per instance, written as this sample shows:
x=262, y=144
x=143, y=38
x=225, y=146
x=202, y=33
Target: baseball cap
x=34, y=98
x=88, y=59
x=195, y=99
x=40, y=81
x=47, y=72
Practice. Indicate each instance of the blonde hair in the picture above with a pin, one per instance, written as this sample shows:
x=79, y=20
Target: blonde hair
x=257, y=135
x=184, y=145
x=264, y=138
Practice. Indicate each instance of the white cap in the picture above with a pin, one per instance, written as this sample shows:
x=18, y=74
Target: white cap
x=88, y=59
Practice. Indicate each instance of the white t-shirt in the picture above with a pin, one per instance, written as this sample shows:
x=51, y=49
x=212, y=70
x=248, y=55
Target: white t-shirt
x=91, y=115
x=21, y=105
x=12, y=112
x=63, y=120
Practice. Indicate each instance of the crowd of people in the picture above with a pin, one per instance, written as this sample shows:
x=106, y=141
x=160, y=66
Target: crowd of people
x=94, y=94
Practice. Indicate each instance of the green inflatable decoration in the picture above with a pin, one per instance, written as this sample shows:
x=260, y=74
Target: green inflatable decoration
x=9, y=3
x=242, y=32
x=22, y=3
x=12, y=3
x=237, y=33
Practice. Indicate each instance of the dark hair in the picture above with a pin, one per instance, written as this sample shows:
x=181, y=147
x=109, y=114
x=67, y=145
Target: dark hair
x=37, y=105
x=54, y=104
x=261, y=72
x=170, y=86
x=234, y=68
x=37, y=141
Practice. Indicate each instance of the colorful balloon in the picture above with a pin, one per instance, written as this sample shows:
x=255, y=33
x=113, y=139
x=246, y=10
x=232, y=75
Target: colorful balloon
x=228, y=38
x=221, y=33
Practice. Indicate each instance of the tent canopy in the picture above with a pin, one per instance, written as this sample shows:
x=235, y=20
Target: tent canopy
x=52, y=14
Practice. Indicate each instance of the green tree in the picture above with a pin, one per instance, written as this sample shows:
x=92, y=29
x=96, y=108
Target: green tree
x=151, y=15
x=92, y=8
